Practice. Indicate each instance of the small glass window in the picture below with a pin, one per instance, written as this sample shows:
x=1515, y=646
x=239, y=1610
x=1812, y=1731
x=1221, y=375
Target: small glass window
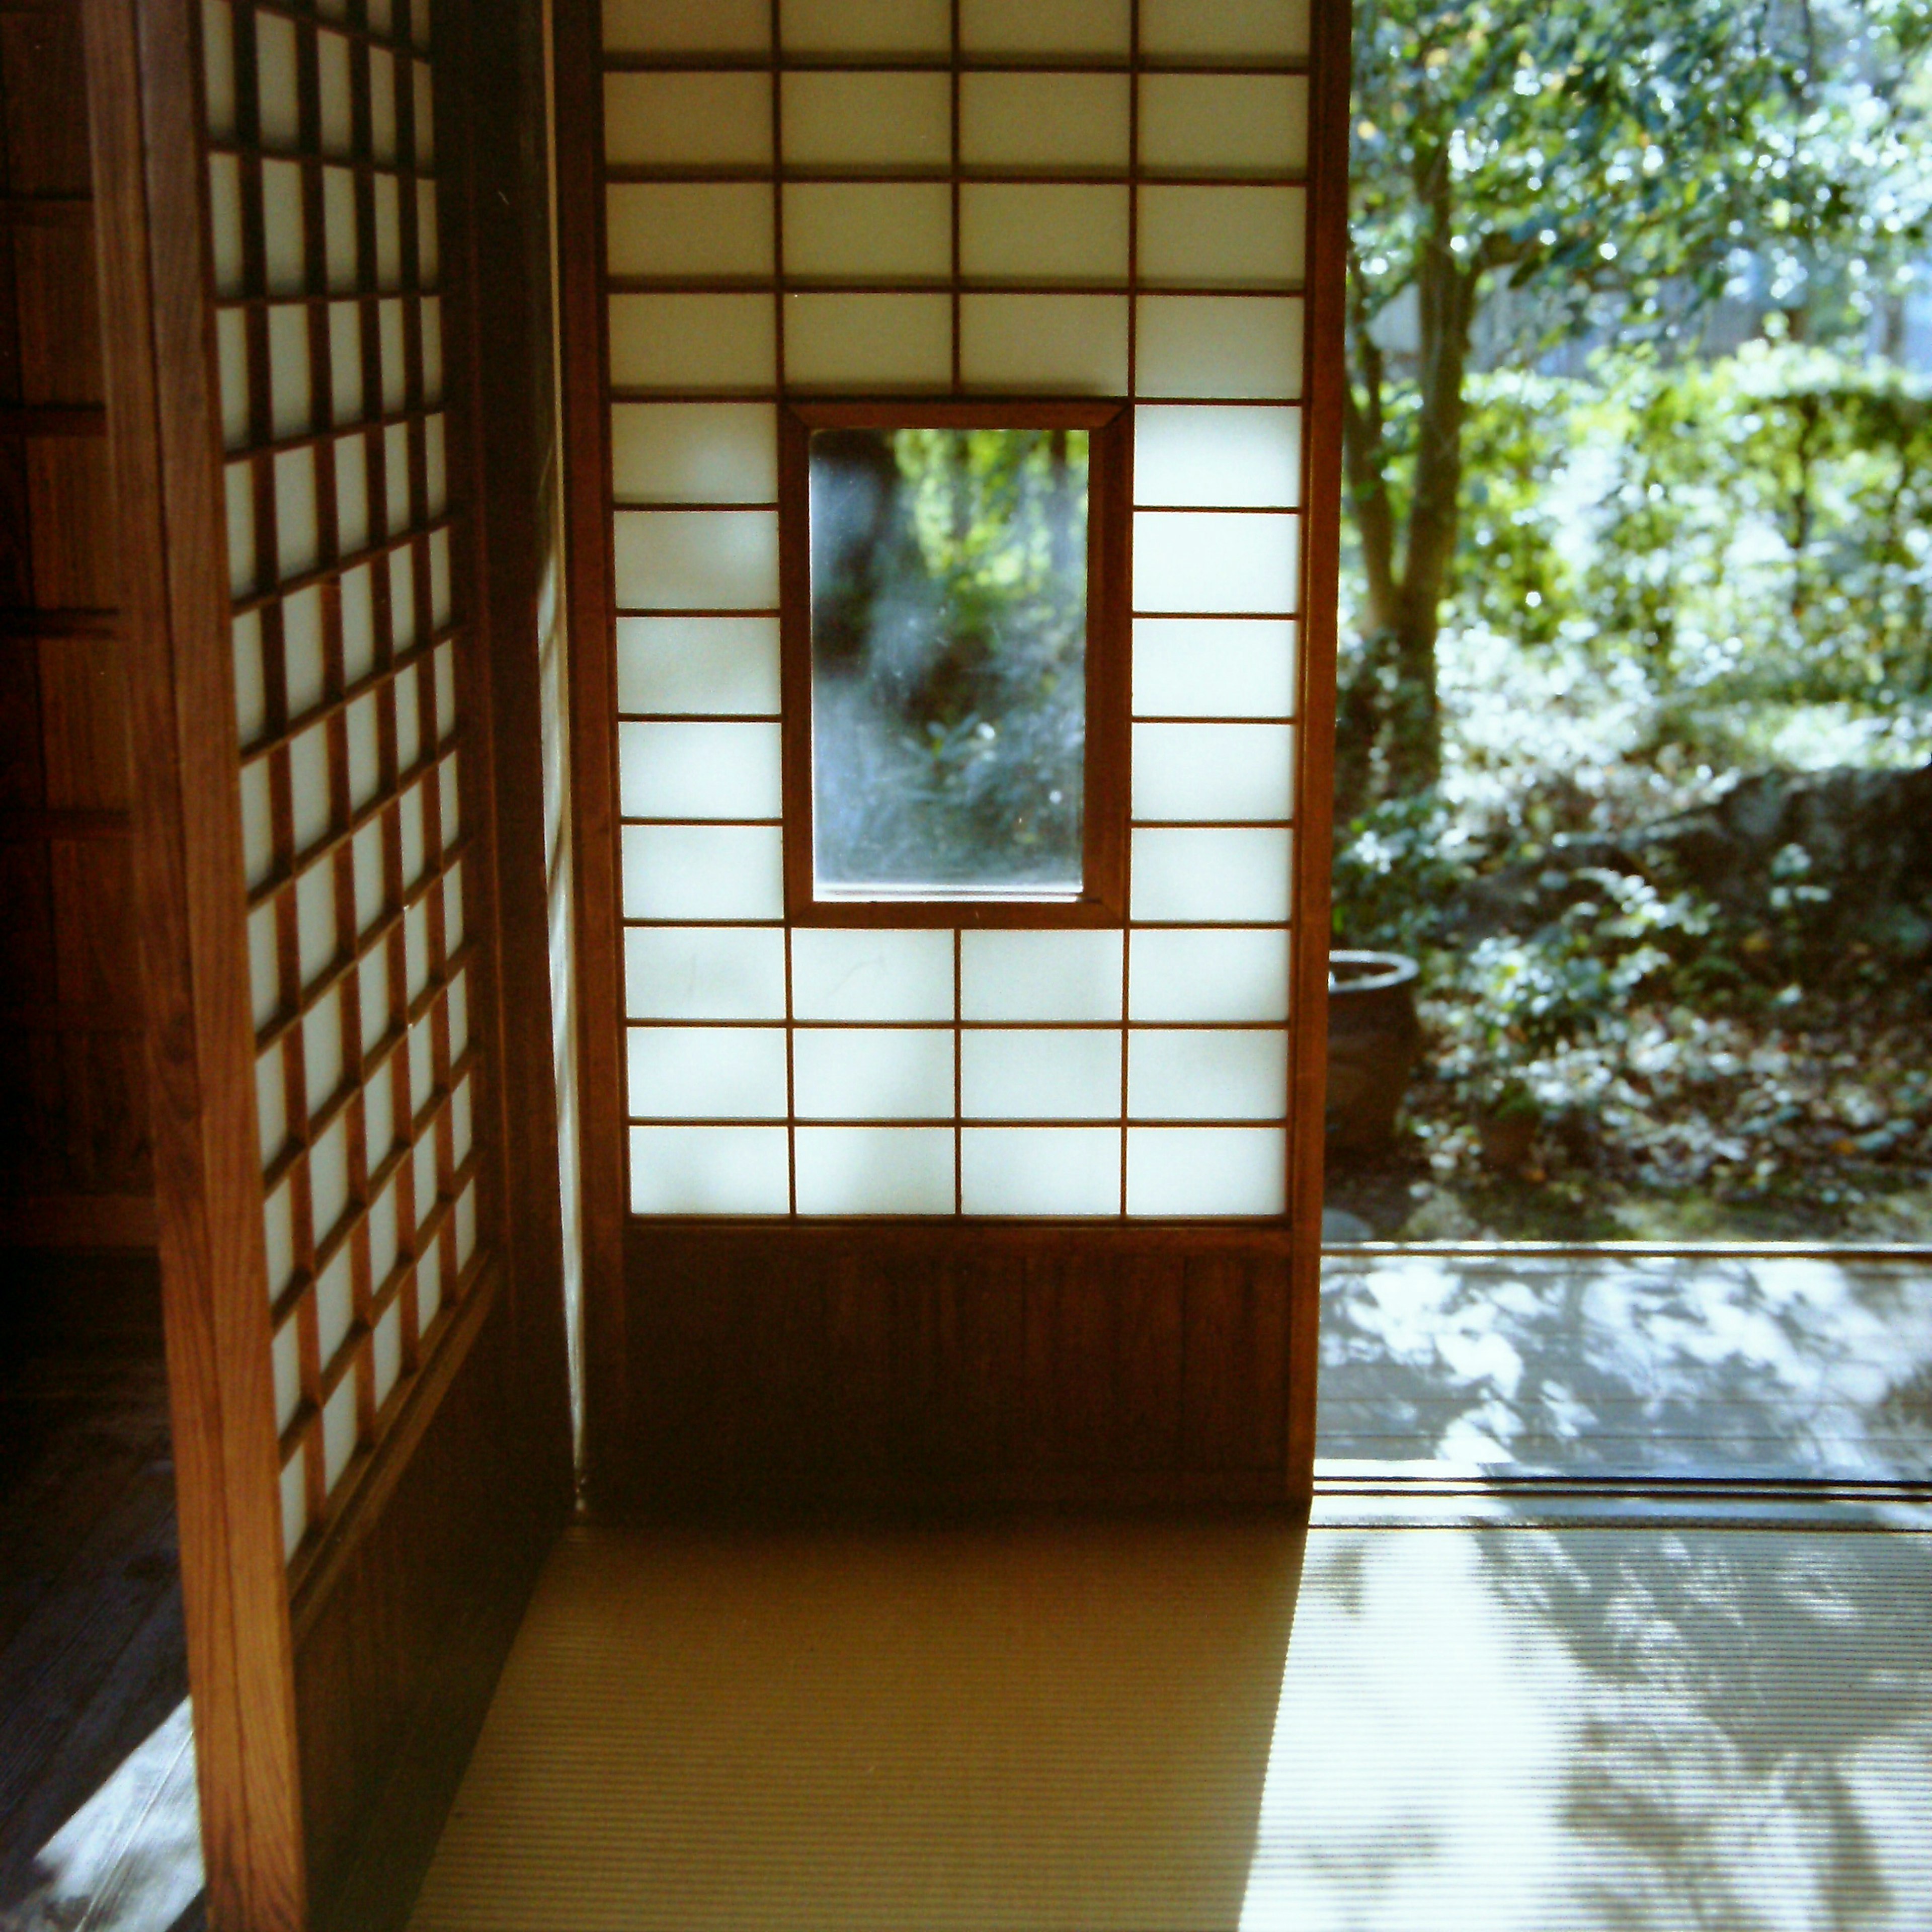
x=953, y=704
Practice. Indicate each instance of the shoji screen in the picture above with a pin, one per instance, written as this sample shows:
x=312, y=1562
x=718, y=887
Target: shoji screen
x=996, y=197
x=350, y=675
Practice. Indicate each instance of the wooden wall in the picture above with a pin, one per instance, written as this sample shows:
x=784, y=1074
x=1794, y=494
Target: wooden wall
x=74, y=1160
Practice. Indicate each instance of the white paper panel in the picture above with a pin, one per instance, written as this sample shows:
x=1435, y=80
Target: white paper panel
x=703, y=872
x=278, y=1235
x=684, y=120
x=224, y=222
x=697, y=560
x=1214, y=666
x=1213, y=456
x=857, y=973
x=1213, y=345
x=422, y=1087
x=240, y=487
x=388, y=232
x=308, y=785
x=1076, y=344
x=1208, y=976
x=295, y=1505
x=425, y=85
x=1201, y=561
x=408, y=718
x=1040, y=976
x=283, y=230
x=338, y=229
x=1039, y=1075
x=301, y=651
x=436, y=466
x=370, y=901
x=692, y=342
x=322, y=1051
x=698, y=771
x=396, y=478
x=395, y=367
x=382, y=104
x=874, y=1170
x=217, y=65
x=898, y=1073
x=265, y=977
x=1042, y=28
x=385, y=1230
x=430, y=310
x=709, y=1170
x=865, y=26
x=411, y=839
x=1223, y=237
x=372, y=977
x=696, y=972
x=717, y=1073
x=231, y=341
x=352, y=494
x=1224, y=124
x=1044, y=122
x=868, y=342
x=456, y=1001
x=328, y=1177
x=338, y=1433
x=297, y=541
x=251, y=698
x=286, y=1351
x=1192, y=1075
x=695, y=452
x=272, y=1110
x=1213, y=772
x=698, y=663
x=257, y=823
x=402, y=567
x=1229, y=30
x=317, y=938
x=429, y=261
x=279, y=124
x=1207, y=1170
x=860, y=231
x=331, y=57
x=288, y=399
x=441, y=606
x=345, y=364
x=1224, y=873
x=1040, y=1170
x=687, y=26
x=1011, y=231
x=386, y=1353
x=358, y=623
x=692, y=228
x=856, y=120
x=429, y=1284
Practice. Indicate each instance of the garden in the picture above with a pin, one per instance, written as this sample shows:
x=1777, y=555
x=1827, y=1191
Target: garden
x=1634, y=751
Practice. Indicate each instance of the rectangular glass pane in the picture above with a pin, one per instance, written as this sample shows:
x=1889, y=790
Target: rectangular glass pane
x=948, y=653
x=1040, y=1170
x=903, y=1073
x=875, y=1170
x=1039, y=1075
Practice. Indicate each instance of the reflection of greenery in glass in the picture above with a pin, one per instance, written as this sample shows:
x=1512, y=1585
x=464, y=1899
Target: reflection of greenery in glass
x=948, y=635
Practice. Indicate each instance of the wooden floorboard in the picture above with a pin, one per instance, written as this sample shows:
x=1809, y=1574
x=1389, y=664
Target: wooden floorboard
x=97, y=1761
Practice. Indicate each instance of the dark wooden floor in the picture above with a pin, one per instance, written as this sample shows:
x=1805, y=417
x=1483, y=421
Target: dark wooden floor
x=92, y=1666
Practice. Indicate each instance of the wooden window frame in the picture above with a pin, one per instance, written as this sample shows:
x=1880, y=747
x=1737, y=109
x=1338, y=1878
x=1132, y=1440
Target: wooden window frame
x=1102, y=900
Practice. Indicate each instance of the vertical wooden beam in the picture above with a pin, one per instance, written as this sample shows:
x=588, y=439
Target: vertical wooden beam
x=1315, y=802
x=166, y=424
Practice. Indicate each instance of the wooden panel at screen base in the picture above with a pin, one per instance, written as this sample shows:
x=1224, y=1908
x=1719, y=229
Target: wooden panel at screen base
x=952, y=1362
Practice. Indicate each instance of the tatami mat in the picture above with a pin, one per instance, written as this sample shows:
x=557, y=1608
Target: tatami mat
x=1207, y=1726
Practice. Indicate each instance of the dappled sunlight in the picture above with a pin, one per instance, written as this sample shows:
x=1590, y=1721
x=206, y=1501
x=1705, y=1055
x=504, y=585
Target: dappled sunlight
x=1541, y=1730
x=129, y=1859
x=1657, y=1365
